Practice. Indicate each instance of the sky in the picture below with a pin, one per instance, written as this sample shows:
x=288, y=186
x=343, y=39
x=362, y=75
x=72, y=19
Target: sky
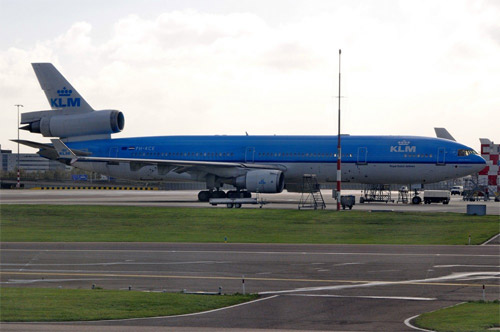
x=225, y=67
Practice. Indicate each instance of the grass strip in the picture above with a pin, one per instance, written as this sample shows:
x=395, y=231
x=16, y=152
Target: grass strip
x=471, y=316
x=45, y=304
x=65, y=223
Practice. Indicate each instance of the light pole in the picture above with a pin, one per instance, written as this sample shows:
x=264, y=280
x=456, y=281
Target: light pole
x=18, y=185
x=339, y=152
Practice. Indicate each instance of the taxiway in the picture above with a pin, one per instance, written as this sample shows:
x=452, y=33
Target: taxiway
x=303, y=287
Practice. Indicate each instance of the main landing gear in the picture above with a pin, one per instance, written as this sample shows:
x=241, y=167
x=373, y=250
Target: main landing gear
x=205, y=195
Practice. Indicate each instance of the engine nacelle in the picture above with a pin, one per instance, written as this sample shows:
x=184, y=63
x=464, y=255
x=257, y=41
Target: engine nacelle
x=262, y=181
x=54, y=124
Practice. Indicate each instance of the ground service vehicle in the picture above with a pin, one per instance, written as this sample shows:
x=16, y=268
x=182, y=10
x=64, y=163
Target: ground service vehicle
x=437, y=196
x=457, y=190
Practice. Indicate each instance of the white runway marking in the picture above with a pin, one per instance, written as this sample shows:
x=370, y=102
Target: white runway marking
x=409, y=298
x=27, y=281
x=463, y=265
x=454, y=276
x=114, y=263
x=193, y=314
x=492, y=239
x=480, y=278
x=250, y=252
x=343, y=264
x=407, y=323
x=408, y=320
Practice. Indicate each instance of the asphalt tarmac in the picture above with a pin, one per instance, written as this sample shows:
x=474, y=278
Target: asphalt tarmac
x=303, y=287
x=188, y=198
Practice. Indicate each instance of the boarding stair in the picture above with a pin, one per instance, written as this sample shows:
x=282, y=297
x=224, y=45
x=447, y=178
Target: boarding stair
x=311, y=197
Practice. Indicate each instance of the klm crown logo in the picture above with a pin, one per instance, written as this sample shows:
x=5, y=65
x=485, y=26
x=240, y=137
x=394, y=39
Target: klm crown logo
x=64, y=92
x=403, y=146
x=64, y=99
x=64, y=152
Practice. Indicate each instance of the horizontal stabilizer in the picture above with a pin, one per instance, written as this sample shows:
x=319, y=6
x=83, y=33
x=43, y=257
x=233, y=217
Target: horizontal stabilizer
x=32, y=144
x=443, y=133
x=63, y=151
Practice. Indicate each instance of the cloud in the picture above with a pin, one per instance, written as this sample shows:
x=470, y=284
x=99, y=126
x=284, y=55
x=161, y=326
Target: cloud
x=194, y=72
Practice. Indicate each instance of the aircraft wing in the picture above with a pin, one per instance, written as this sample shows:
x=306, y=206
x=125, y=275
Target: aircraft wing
x=182, y=165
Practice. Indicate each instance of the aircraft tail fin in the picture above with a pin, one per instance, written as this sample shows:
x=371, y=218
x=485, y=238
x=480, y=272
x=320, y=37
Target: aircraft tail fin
x=443, y=133
x=60, y=93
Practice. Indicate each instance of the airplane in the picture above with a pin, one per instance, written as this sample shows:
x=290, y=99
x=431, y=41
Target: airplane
x=252, y=164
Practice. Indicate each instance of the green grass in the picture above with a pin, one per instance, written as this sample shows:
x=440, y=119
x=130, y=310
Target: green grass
x=472, y=316
x=43, y=304
x=159, y=224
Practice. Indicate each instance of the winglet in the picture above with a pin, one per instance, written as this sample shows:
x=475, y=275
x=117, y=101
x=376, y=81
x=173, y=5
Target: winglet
x=63, y=151
x=443, y=133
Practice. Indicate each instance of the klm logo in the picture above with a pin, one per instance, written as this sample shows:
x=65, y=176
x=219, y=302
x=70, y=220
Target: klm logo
x=404, y=146
x=65, y=152
x=64, y=102
x=262, y=181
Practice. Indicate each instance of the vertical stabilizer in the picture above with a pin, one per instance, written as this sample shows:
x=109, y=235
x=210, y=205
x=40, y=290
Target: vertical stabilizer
x=60, y=93
x=443, y=133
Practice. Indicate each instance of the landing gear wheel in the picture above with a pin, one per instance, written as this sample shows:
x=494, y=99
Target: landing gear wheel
x=237, y=205
x=233, y=194
x=229, y=205
x=218, y=194
x=247, y=194
x=204, y=196
x=416, y=200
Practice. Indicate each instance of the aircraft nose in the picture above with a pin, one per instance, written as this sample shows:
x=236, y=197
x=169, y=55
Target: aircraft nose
x=479, y=163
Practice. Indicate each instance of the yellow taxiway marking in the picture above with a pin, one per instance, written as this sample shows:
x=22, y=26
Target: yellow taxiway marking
x=113, y=275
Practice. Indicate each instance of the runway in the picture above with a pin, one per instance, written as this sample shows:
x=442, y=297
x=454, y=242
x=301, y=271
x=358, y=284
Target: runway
x=303, y=287
x=188, y=198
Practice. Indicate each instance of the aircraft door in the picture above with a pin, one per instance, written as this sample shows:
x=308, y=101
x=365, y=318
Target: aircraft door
x=249, y=154
x=362, y=156
x=441, y=159
x=113, y=152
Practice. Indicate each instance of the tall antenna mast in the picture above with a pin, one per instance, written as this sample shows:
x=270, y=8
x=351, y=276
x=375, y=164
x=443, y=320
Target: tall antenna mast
x=339, y=150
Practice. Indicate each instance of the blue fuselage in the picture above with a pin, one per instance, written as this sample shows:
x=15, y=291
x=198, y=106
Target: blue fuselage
x=365, y=159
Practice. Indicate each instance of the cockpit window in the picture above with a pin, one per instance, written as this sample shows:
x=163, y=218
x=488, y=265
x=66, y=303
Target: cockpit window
x=465, y=152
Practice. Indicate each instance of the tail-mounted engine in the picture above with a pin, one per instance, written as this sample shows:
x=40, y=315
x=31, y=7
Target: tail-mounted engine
x=63, y=124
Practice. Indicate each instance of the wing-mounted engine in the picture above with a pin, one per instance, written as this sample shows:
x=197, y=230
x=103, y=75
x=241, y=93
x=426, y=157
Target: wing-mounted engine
x=262, y=181
x=91, y=125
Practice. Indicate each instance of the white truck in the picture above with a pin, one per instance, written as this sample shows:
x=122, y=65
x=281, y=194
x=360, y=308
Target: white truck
x=437, y=196
x=457, y=190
